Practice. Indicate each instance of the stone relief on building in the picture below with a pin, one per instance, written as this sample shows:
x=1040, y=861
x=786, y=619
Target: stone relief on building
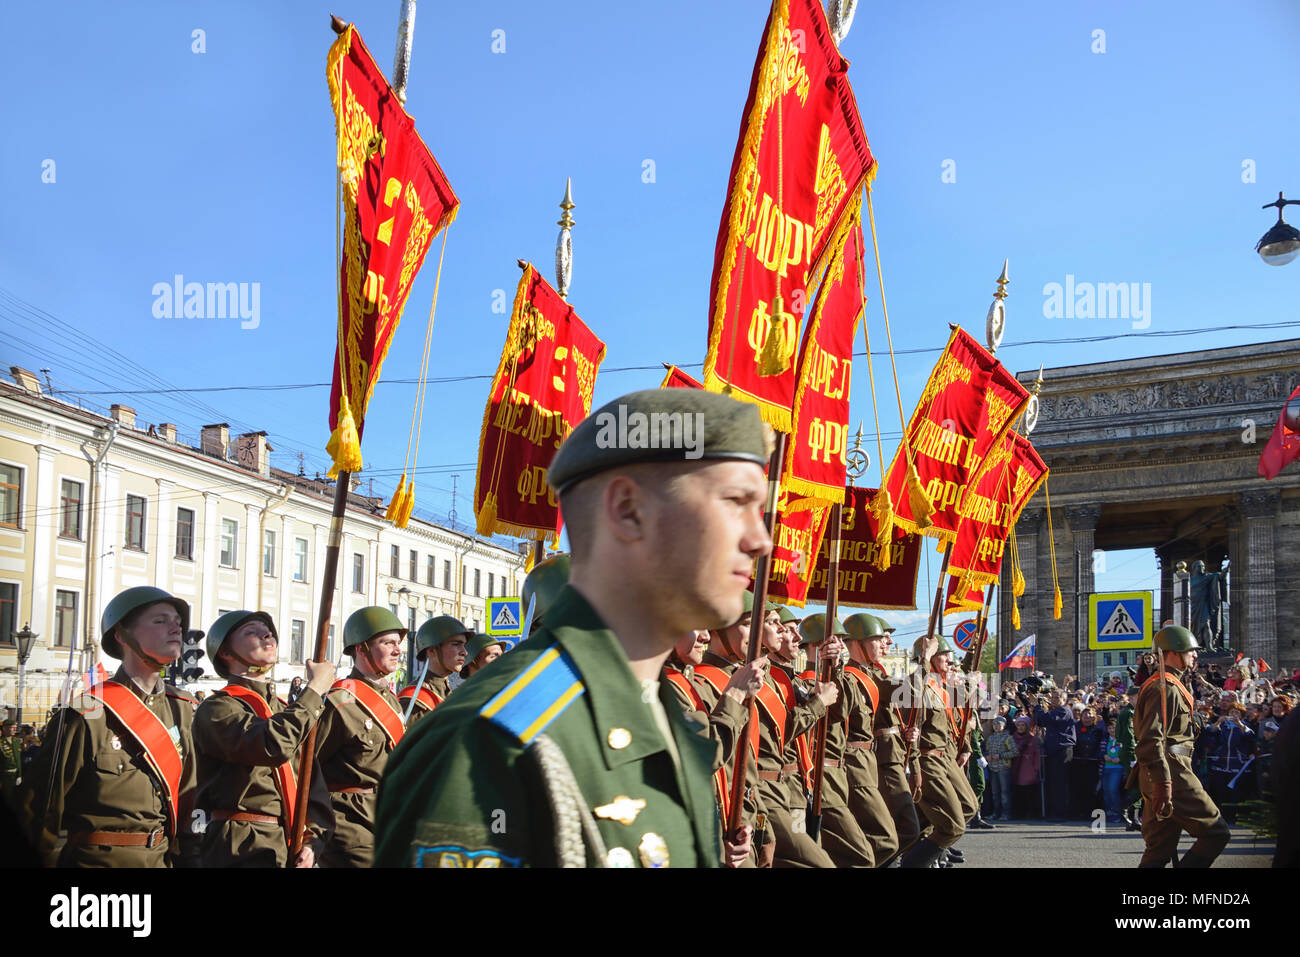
x=1170, y=395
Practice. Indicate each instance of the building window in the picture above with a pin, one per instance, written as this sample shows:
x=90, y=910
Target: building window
x=414, y=566
x=135, y=506
x=300, y=559
x=185, y=533
x=393, y=609
x=410, y=621
x=476, y=582
x=70, y=509
x=268, y=554
x=1123, y=657
x=429, y=567
x=1105, y=659
x=297, y=636
x=491, y=580
x=229, y=542
x=330, y=650
x=476, y=624
x=8, y=613
x=358, y=573
x=65, y=618
x=464, y=577
x=446, y=574
x=11, y=490
x=395, y=563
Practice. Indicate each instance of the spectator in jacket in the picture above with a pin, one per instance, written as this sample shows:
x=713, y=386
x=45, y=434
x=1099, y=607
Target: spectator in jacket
x=1132, y=798
x=1024, y=770
x=1001, y=752
x=1058, y=748
x=1085, y=767
x=1230, y=746
x=1114, y=771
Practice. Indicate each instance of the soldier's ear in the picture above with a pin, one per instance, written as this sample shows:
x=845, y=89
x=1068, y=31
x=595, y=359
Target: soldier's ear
x=623, y=504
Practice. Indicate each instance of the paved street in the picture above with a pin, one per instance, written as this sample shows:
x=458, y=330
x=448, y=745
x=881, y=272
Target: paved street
x=1032, y=844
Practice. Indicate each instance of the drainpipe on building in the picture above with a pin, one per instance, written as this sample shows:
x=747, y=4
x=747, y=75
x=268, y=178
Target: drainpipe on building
x=92, y=551
x=460, y=575
x=271, y=505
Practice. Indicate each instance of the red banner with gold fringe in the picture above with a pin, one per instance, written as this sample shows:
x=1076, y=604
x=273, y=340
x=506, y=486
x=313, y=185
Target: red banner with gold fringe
x=541, y=390
x=816, y=463
x=802, y=156
x=862, y=584
x=800, y=525
x=968, y=403
x=395, y=199
x=675, y=378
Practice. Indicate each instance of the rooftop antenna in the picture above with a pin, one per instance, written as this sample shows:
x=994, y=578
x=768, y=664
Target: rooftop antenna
x=48, y=384
x=452, y=517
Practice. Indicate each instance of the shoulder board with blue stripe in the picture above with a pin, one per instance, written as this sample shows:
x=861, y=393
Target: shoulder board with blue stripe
x=537, y=696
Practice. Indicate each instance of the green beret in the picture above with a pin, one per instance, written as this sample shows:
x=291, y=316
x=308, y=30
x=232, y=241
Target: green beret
x=660, y=425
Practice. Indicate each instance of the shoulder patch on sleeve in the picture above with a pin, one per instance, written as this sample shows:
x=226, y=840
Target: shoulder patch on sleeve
x=537, y=696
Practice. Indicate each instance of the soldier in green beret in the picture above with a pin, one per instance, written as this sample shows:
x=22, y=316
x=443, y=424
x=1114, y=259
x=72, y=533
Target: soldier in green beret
x=569, y=751
x=118, y=769
x=361, y=726
x=249, y=743
x=442, y=643
x=1175, y=799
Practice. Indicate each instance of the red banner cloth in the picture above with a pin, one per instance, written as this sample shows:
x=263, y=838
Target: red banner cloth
x=800, y=525
x=541, y=390
x=396, y=199
x=675, y=378
x=801, y=157
x=1283, y=445
x=861, y=583
x=816, y=463
x=969, y=401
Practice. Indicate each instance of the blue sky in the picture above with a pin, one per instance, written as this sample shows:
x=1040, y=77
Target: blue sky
x=1122, y=166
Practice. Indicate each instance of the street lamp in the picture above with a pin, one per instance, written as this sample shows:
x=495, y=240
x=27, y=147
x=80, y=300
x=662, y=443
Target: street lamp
x=1281, y=244
x=24, y=639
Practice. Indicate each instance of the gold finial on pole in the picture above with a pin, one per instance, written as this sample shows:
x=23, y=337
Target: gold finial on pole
x=858, y=459
x=1031, y=407
x=564, y=243
x=997, y=318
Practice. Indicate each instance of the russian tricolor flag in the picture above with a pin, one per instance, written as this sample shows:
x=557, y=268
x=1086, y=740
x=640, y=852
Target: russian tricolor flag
x=1022, y=655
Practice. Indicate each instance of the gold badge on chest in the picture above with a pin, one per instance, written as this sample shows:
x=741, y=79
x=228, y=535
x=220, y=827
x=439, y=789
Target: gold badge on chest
x=653, y=850
x=622, y=809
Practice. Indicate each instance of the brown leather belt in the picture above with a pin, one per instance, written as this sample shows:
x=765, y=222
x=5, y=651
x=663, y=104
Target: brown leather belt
x=931, y=751
x=829, y=763
x=120, y=838
x=860, y=745
x=246, y=816
x=781, y=775
x=357, y=790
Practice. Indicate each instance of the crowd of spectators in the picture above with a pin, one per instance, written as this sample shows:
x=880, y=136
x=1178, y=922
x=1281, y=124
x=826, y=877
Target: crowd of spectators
x=1062, y=751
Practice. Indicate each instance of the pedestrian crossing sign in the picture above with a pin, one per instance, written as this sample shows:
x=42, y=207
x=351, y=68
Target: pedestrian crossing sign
x=503, y=616
x=1119, y=620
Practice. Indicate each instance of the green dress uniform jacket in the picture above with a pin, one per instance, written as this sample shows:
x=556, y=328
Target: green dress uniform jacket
x=11, y=764
x=550, y=755
x=1164, y=753
x=238, y=755
x=352, y=749
x=102, y=782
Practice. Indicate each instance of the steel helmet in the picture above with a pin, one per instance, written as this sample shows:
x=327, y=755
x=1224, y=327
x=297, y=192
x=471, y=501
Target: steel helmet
x=545, y=581
x=884, y=625
x=141, y=596
x=364, y=623
x=480, y=643
x=435, y=631
x=1175, y=638
x=221, y=630
x=918, y=647
x=862, y=626
x=813, y=629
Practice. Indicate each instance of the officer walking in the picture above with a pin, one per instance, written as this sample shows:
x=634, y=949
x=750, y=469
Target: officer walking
x=571, y=752
x=1175, y=800
x=117, y=768
x=249, y=743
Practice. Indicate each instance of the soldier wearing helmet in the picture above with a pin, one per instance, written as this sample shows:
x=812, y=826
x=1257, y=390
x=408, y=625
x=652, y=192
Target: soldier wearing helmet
x=1175, y=801
x=361, y=726
x=118, y=768
x=543, y=585
x=442, y=642
x=480, y=652
x=879, y=797
x=945, y=800
x=250, y=743
x=848, y=729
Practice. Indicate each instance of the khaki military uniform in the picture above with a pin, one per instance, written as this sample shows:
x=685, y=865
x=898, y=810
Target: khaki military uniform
x=352, y=749
x=239, y=753
x=841, y=835
x=1164, y=753
x=866, y=802
x=105, y=792
x=890, y=749
x=781, y=783
x=437, y=686
x=556, y=755
x=945, y=791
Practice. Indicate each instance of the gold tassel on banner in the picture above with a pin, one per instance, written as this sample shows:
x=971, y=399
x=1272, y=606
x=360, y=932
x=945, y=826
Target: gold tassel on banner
x=1015, y=614
x=487, y=516
x=1057, y=604
x=408, y=505
x=922, y=507
x=775, y=357
x=882, y=510
x=344, y=445
x=395, y=505
x=1017, y=581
